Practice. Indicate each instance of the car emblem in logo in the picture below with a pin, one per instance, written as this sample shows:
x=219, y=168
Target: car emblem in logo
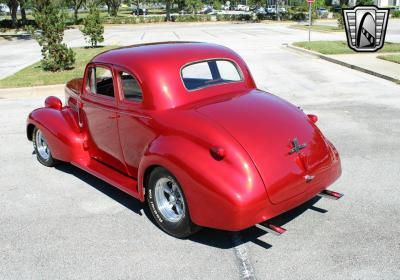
x=296, y=146
x=365, y=27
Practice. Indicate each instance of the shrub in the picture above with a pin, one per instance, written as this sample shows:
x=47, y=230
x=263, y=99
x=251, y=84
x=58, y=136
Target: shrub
x=51, y=24
x=234, y=17
x=340, y=21
x=58, y=57
x=298, y=16
x=191, y=18
x=396, y=14
x=266, y=17
x=133, y=19
x=92, y=29
x=7, y=23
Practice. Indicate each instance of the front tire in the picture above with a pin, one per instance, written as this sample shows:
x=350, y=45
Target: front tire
x=168, y=205
x=42, y=149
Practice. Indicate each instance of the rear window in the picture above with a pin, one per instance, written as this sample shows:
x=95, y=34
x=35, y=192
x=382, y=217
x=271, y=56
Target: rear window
x=208, y=73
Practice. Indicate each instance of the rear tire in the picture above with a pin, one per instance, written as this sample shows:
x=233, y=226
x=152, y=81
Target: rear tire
x=42, y=150
x=168, y=205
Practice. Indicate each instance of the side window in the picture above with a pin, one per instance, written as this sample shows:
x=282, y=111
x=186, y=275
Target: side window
x=130, y=87
x=100, y=81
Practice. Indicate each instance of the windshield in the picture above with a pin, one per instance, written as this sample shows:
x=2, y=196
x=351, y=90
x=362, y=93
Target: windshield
x=209, y=73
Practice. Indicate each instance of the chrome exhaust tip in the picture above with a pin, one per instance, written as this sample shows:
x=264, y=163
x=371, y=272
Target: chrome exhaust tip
x=274, y=229
x=330, y=194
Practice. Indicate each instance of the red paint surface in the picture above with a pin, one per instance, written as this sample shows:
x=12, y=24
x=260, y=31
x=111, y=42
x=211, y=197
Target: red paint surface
x=251, y=130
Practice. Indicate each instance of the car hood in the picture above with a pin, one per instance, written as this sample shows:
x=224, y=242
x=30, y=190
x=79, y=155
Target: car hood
x=266, y=126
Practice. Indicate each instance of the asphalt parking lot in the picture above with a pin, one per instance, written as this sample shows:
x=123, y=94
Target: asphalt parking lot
x=61, y=223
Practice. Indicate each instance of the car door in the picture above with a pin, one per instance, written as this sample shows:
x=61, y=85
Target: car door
x=100, y=109
x=134, y=123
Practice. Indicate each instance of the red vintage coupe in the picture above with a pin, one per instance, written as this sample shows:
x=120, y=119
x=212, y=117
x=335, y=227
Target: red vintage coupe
x=182, y=126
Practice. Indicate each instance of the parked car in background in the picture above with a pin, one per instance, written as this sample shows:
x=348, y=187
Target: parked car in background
x=228, y=7
x=282, y=10
x=272, y=10
x=322, y=12
x=260, y=11
x=139, y=11
x=243, y=8
x=4, y=8
x=207, y=9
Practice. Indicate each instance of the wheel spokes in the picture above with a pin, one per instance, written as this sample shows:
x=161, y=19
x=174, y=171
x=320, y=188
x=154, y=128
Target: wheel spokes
x=169, y=199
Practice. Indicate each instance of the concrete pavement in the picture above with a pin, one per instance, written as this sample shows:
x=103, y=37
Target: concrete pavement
x=61, y=223
x=370, y=62
x=364, y=62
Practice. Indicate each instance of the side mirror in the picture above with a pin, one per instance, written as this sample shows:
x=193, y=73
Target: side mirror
x=53, y=102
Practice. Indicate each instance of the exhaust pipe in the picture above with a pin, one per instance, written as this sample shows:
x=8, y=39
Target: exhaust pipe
x=276, y=230
x=330, y=194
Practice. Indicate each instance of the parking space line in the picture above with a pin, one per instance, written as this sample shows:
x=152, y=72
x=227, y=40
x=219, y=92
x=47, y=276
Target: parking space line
x=176, y=35
x=212, y=35
x=246, y=270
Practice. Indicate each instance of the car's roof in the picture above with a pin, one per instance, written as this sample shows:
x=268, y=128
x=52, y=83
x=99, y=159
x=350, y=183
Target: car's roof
x=159, y=52
x=157, y=67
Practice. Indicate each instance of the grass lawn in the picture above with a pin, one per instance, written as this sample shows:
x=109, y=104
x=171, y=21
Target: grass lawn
x=390, y=57
x=340, y=47
x=33, y=75
x=322, y=28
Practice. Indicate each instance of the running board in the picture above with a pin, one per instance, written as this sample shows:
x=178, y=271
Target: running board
x=274, y=229
x=113, y=177
x=330, y=194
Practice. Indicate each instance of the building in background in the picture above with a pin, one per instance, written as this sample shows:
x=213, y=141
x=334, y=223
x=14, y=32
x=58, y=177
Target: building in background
x=387, y=3
x=379, y=3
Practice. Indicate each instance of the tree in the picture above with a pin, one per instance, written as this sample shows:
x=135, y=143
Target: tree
x=193, y=5
x=76, y=5
x=365, y=2
x=168, y=5
x=257, y=3
x=93, y=30
x=113, y=6
x=51, y=23
x=13, y=6
x=22, y=4
x=318, y=4
x=217, y=4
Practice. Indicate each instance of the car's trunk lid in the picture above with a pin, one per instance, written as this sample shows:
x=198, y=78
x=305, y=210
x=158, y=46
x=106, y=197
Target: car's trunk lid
x=266, y=127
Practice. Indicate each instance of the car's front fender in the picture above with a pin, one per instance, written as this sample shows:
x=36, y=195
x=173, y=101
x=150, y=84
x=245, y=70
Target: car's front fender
x=61, y=131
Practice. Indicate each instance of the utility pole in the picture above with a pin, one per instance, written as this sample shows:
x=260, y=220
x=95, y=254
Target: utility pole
x=310, y=2
x=277, y=10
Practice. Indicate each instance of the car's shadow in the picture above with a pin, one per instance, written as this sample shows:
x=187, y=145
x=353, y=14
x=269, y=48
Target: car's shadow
x=210, y=237
x=107, y=189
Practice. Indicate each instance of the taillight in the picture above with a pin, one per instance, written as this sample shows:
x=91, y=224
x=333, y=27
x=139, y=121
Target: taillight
x=217, y=153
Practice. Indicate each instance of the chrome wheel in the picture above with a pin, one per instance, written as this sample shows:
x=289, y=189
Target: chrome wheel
x=169, y=199
x=41, y=146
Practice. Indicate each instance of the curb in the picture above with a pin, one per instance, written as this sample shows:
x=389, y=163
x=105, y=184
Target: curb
x=39, y=91
x=321, y=31
x=345, y=64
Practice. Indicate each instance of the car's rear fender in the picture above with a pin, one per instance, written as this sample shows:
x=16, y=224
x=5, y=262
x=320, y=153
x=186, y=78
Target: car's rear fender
x=61, y=131
x=226, y=194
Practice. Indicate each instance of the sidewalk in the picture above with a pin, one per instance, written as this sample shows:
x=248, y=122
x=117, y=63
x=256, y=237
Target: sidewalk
x=369, y=62
x=23, y=92
x=363, y=62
